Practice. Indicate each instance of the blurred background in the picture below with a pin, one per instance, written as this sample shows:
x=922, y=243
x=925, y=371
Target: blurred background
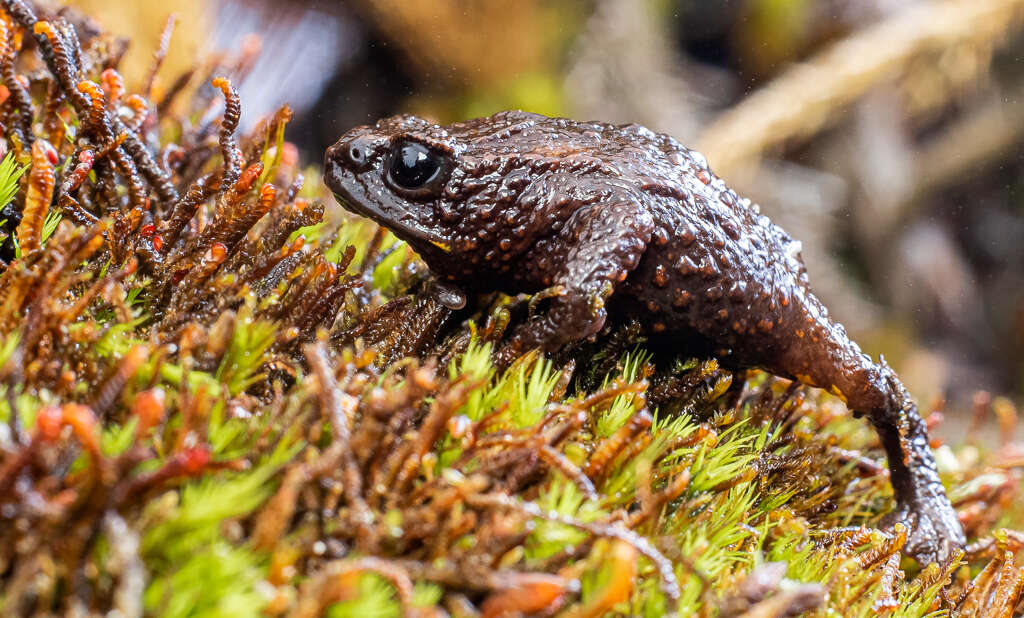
x=887, y=135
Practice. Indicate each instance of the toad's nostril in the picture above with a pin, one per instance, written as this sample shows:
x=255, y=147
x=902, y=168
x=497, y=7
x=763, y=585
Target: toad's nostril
x=358, y=151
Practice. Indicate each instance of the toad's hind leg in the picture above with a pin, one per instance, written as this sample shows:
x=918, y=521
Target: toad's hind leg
x=922, y=503
x=836, y=363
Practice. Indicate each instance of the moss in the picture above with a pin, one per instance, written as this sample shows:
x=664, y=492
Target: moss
x=227, y=407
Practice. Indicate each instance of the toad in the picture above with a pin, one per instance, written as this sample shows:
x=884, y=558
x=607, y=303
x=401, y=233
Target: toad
x=607, y=221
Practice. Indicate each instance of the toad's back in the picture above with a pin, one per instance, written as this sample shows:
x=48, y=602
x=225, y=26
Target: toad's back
x=715, y=272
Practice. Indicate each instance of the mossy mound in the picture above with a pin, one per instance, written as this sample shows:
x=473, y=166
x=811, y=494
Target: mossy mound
x=217, y=404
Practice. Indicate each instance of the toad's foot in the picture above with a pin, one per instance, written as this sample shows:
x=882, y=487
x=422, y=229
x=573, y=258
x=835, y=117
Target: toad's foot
x=934, y=531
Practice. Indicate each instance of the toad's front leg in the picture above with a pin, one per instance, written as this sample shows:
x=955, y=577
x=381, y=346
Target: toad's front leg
x=579, y=269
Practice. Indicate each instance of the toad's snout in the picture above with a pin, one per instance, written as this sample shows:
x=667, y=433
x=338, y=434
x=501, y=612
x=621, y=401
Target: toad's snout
x=354, y=151
x=348, y=157
x=334, y=167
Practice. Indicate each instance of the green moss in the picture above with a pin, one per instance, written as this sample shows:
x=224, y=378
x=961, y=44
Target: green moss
x=195, y=570
x=10, y=174
x=240, y=367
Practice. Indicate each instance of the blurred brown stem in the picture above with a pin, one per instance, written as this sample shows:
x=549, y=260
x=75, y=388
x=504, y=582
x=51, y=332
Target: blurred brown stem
x=802, y=100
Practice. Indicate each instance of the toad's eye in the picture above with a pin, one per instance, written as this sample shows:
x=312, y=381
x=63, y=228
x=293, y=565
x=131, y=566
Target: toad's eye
x=414, y=167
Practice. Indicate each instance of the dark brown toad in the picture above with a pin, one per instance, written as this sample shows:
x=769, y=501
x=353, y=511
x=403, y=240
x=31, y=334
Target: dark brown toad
x=610, y=221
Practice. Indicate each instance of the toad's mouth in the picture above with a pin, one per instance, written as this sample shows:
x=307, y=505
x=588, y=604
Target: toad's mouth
x=352, y=195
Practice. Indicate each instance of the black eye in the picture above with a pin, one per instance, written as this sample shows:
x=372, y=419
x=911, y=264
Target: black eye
x=413, y=165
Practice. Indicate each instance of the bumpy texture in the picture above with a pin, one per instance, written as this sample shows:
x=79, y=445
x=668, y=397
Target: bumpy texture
x=607, y=221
